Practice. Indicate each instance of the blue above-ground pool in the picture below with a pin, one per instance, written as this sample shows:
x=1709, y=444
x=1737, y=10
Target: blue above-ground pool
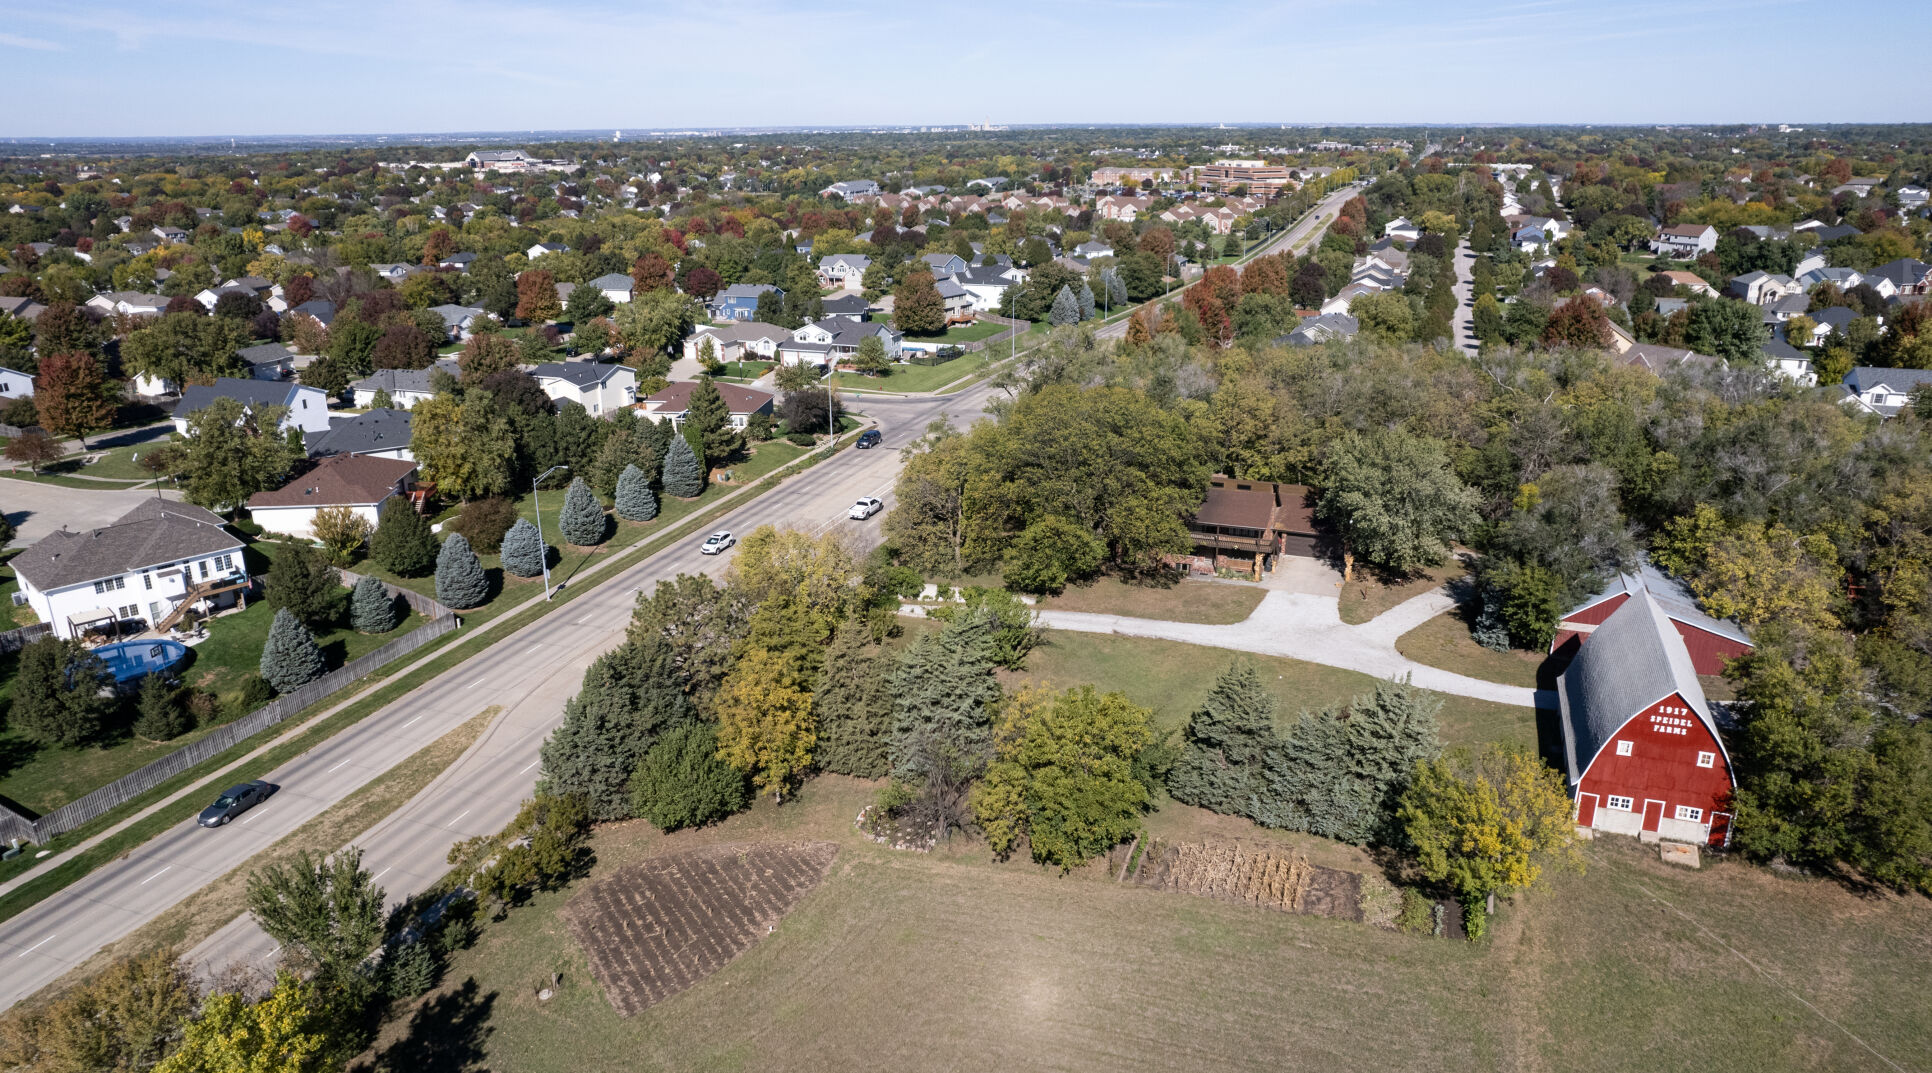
x=130, y=661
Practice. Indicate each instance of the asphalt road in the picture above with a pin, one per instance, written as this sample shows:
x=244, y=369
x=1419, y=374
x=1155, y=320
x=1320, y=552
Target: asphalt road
x=1464, y=324
x=529, y=673
x=1292, y=239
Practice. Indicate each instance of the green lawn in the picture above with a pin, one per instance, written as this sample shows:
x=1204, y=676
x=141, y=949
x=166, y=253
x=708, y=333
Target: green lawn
x=44, y=778
x=1172, y=678
x=11, y=616
x=745, y=371
x=1212, y=602
x=913, y=378
x=962, y=333
x=1445, y=642
x=1367, y=595
x=765, y=457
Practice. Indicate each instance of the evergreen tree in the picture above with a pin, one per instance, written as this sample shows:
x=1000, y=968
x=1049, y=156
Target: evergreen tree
x=58, y=692
x=712, y=420
x=635, y=500
x=682, y=783
x=943, y=693
x=683, y=477
x=381, y=400
x=460, y=581
x=523, y=550
x=301, y=579
x=1309, y=786
x=629, y=697
x=854, y=705
x=1086, y=301
x=371, y=608
x=579, y=437
x=635, y=445
x=291, y=659
x=1116, y=288
x=1226, y=746
x=582, y=517
x=403, y=544
x=161, y=715
x=1066, y=308
x=1390, y=731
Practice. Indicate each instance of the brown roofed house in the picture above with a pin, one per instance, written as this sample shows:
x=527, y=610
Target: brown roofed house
x=361, y=483
x=675, y=401
x=1244, y=525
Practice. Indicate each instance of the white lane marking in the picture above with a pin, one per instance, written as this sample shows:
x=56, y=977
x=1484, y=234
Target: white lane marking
x=250, y=818
x=378, y=875
x=474, y=684
x=530, y=765
x=459, y=816
x=272, y=953
x=34, y=947
x=405, y=726
x=344, y=760
x=583, y=620
x=153, y=877
x=538, y=647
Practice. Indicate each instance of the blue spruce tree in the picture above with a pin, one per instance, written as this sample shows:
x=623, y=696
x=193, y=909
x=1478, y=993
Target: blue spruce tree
x=291, y=659
x=682, y=477
x=635, y=500
x=460, y=581
x=523, y=550
x=582, y=517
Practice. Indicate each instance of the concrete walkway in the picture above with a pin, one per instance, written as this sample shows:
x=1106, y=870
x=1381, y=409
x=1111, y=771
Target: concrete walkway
x=1308, y=627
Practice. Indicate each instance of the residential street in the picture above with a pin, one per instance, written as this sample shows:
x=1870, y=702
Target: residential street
x=36, y=508
x=1464, y=330
x=529, y=674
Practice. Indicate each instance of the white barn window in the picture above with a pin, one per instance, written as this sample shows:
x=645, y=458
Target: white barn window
x=1706, y=759
x=1620, y=804
x=1623, y=748
x=1689, y=814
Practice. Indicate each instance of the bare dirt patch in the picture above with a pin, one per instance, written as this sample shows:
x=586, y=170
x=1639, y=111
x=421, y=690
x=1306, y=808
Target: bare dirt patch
x=1269, y=876
x=655, y=928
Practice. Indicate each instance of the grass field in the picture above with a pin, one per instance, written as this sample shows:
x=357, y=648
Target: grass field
x=1366, y=595
x=951, y=961
x=745, y=371
x=912, y=378
x=765, y=457
x=962, y=333
x=1172, y=678
x=1444, y=642
x=1212, y=602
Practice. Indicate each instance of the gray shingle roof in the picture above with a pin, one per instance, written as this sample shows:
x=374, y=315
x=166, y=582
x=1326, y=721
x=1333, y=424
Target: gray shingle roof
x=265, y=354
x=613, y=281
x=365, y=433
x=1632, y=661
x=155, y=533
x=580, y=373
x=394, y=380
x=250, y=393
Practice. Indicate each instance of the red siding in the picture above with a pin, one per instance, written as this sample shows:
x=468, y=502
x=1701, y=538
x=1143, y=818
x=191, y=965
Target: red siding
x=1708, y=651
x=1595, y=614
x=1665, y=740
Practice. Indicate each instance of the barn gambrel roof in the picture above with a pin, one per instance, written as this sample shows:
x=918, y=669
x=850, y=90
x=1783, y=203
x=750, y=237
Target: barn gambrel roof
x=1632, y=661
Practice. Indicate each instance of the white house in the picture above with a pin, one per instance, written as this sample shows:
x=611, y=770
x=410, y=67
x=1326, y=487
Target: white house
x=616, y=286
x=542, y=248
x=406, y=387
x=308, y=407
x=843, y=335
x=1684, y=240
x=740, y=340
x=988, y=284
x=1403, y=228
x=672, y=403
x=268, y=361
x=597, y=387
x=460, y=321
x=362, y=483
x=130, y=303
x=1884, y=391
x=1763, y=288
x=843, y=269
x=15, y=384
x=152, y=563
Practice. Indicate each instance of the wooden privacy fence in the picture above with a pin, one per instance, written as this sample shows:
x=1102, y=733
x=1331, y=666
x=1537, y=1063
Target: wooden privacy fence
x=13, y=825
x=15, y=640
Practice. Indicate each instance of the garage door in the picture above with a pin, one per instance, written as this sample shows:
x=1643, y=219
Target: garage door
x=1297, y=544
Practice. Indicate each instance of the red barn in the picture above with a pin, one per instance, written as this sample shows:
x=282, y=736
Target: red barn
x=1711, y=641
x=1644, y=755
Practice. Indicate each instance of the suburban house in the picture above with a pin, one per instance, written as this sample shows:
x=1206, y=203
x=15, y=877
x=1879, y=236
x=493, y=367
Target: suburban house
x=957, y=300
x=156, y=561
x=987, y=284
x=855, y=188
x=1244, y=525
x=129, y=303
x=459, y=321
x=1913, y=198
x=1709, y=641
x=1657, y=357
x=1642, y=749
x=1908, y=275
x=1684, y=240
x=251, y=285
x=596, y=387
x=21, y=308
x=15, y=384
x=1680, y=278
x=1763, y=288
x=541, y=248
x=842, y=335
x=1788, y=361
x=394, y=274
x=944, y=265
x=1844, y=278
x=843, y=269
x=308, y=408
x=617, y=286
x=362, y=483
x=319, y=310
x=1328, y=327
x=1884, y=391
x=461, y=262
x=268, y=361
x=381, y=433
x=1403, y=228
x=741, y=340
x=674, y=402
x=847, y=305
x=1342, y=299
x=406, y=387
x=740, y=300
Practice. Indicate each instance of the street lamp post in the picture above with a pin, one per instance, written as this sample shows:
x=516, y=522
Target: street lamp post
x=543, y=549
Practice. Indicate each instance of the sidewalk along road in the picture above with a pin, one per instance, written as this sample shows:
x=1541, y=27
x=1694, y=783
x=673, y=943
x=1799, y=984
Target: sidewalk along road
x=529, y=673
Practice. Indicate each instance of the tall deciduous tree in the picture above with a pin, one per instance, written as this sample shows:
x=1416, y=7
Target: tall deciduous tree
x=1063, y=774
x=537, y=296
x=285, y=1032
x=232, y=452
x=1394, y=499
x=125, y=1019
x=463, y=445
x=72, y=394
x=917, y=308
x=652, y=321
x=766, y=727
x=327, y=914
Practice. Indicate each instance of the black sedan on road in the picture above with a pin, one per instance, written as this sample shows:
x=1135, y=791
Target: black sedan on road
x=869, y=438
x=233, y=802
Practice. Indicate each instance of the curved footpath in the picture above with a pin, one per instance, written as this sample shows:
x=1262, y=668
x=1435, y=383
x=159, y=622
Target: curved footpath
x=1310, y=628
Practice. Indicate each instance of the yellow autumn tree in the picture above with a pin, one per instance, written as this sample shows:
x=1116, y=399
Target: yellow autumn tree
x=283, y=1033
x=766, y=726
x=1758, y=574
x=1488, y=823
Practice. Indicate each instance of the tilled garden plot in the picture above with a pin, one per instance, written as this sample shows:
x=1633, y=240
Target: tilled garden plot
x=1262, y=875
x=657, y=927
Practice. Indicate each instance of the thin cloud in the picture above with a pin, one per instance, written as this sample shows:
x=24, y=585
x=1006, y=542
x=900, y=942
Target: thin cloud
x=35, y=43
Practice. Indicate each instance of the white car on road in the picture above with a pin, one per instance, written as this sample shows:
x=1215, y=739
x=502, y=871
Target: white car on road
x=717, y=542
x=865, y=508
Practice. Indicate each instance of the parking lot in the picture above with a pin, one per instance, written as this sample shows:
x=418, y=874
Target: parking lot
x=37, y=509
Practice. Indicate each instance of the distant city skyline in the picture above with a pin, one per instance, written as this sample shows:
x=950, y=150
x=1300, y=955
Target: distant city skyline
x=217, y=67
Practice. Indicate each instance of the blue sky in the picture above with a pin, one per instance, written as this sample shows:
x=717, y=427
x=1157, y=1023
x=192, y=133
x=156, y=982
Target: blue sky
x=185, y=67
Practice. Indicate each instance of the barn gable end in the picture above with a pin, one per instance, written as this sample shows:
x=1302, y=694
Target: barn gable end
x=1711, y=641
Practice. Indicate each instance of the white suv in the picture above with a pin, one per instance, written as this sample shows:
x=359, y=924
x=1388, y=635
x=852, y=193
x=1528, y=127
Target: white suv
x=865, y=508
x=717, y=542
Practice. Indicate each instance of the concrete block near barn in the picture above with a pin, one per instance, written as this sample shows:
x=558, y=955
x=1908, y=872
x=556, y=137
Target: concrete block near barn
x=1586, y=832
x=1681, y=853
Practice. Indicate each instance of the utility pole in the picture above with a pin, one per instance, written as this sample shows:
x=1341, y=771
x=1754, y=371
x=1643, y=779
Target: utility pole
x=543, y=549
